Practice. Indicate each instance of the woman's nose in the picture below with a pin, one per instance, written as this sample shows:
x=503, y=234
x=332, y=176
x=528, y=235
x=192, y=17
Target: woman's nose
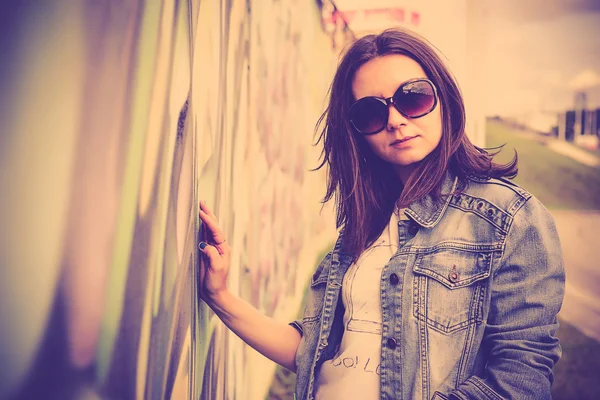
x=395, y=118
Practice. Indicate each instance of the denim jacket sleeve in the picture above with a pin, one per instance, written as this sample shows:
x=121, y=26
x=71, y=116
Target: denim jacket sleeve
x=527, y=293
x=317, y=276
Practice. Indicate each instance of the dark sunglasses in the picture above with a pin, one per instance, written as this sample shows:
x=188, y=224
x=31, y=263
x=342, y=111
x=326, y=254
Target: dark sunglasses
x=413, y=99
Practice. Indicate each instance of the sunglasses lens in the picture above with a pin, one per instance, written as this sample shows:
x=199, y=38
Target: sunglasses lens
x=415, y=99
x=368, y=115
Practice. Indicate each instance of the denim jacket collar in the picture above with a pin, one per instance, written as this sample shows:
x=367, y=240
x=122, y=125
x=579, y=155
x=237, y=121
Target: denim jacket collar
x=428, y=211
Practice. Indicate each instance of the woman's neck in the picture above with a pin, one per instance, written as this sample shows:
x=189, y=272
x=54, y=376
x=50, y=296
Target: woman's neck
x=404, y=171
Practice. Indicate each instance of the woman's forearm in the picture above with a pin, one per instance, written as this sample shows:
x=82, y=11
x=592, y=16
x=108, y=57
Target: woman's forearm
x=275, y=340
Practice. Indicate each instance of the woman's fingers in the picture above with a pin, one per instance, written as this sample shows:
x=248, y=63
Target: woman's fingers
x=213, y=271
x=204, y=207
x=215, y=235
x=208, y=218
x=207, y=211
x=211, y=252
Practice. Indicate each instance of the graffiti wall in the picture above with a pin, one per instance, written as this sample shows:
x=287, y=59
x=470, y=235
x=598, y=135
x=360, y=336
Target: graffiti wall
x=116, y=118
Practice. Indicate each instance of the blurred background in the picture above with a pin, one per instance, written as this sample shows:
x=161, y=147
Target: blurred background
x=117, y=117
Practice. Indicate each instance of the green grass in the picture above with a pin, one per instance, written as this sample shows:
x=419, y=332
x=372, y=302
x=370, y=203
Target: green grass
x=558, y=181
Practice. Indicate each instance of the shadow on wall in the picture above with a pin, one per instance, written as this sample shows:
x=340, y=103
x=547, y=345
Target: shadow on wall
x=118, y=118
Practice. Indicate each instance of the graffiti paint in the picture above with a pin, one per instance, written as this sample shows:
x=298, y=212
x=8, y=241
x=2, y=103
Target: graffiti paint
x=141, y=109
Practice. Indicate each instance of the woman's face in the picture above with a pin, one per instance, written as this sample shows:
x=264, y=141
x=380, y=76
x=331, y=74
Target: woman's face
x=404, y=141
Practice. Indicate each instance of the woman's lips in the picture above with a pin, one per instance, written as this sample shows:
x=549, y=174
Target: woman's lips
x=402, y=142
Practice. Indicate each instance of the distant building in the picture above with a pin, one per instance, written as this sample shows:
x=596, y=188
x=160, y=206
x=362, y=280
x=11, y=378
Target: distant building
x=580, y=106
x=580, y=125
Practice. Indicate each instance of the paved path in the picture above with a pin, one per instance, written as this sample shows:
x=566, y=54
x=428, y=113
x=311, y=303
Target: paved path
x=574, y=152
x=579, y=233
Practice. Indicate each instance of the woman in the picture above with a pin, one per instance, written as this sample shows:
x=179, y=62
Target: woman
x=446, y=279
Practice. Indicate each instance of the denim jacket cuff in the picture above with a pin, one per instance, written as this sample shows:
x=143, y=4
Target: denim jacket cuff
x=298, y=326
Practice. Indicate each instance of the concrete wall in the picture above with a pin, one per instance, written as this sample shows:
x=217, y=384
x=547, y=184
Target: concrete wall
x=116, y=118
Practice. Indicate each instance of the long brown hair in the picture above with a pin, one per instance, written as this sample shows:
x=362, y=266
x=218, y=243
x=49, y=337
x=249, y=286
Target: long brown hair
x=366, y=188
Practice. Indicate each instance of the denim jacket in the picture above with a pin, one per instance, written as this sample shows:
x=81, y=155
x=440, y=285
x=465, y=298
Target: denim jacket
x=469, y=301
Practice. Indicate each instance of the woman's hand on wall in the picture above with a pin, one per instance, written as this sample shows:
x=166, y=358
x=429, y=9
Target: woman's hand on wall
x=215, y=262
x=276, y=340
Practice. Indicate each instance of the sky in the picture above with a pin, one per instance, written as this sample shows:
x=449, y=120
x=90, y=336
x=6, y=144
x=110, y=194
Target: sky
x=537, y=53
x=539, y=56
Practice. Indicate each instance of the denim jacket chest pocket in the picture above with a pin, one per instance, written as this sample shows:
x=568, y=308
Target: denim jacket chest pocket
x=449, y=288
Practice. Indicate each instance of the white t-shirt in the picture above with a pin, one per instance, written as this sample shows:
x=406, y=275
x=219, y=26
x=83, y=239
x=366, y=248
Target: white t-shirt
x=354, y=371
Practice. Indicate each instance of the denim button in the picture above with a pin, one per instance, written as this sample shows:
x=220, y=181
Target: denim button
x=453, y=275
x=391, y=343
x=394, y=279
